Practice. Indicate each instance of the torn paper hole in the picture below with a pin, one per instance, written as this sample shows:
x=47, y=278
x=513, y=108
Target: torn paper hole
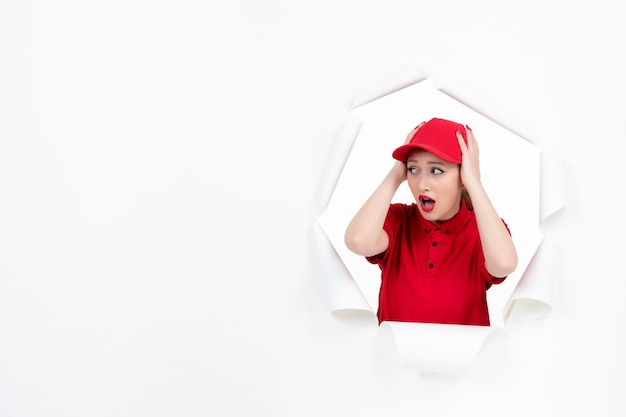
x=511, y=167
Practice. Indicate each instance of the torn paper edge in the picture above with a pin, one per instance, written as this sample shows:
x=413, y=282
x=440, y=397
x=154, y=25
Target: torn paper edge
x=337, y=286
x=408, y=75
x=440, y=348
x=339, y=150
x=481, y=105
x=533, y=295
x=552, y=185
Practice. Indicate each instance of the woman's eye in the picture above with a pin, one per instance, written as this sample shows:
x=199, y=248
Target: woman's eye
x=412, y=170
x=437, y=171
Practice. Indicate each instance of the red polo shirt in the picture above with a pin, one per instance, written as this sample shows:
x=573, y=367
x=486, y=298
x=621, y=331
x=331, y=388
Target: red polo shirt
x=433, y=273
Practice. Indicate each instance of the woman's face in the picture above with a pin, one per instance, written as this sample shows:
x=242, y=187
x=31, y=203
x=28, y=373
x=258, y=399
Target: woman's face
x=436, y=185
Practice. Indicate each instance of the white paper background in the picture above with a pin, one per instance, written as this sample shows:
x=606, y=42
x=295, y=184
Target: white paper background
x=159, y=174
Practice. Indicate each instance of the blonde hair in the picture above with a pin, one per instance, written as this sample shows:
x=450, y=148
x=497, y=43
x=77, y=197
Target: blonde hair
x=466, y=198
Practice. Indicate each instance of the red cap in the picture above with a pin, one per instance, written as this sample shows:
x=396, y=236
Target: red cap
x=437, y=136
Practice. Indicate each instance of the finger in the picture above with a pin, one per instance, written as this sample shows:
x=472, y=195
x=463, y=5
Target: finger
x=462, y=143
x=410, y=136
x=471, y=139
x=412, y=133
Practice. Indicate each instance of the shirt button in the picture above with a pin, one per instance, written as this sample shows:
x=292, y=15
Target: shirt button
x=430, y=265
x=434, y=243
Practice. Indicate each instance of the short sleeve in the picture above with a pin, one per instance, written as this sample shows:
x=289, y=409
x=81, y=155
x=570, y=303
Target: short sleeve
x=390, y=227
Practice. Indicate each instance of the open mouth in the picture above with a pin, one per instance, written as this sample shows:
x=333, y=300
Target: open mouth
x=427, y=203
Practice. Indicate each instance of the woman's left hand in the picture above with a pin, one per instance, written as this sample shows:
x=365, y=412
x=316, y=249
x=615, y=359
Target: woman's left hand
x=470, y=165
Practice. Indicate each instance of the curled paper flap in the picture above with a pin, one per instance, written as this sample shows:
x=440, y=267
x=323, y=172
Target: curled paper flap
x=480, y=104
x=340, y=147
x=404, y=77
x=339, y=291
x=552, y=185
x=533, y=295
x=433, y=347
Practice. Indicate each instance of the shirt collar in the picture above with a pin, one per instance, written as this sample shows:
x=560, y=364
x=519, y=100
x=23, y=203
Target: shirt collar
x=460, y=218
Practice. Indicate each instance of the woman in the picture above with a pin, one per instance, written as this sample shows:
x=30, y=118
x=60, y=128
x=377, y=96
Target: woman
x=439, y=255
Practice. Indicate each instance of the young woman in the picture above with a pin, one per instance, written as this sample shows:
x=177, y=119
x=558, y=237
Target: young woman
x=439, y=255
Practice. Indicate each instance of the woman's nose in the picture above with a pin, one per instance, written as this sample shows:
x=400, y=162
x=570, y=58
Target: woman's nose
x=423, y=183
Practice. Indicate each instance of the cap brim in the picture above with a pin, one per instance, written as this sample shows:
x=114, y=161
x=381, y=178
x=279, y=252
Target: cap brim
x=402, y=153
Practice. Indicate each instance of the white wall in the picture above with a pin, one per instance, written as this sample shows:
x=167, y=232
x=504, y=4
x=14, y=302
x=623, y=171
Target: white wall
x=159, y=162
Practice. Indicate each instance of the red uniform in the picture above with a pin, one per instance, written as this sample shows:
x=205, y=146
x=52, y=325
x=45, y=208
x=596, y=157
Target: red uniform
x=433, y=273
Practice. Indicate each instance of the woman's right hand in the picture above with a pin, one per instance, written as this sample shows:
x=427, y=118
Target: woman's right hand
x=399, y=168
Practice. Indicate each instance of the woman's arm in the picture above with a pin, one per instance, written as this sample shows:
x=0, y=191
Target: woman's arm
x=365, y=235
x=498, y=248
